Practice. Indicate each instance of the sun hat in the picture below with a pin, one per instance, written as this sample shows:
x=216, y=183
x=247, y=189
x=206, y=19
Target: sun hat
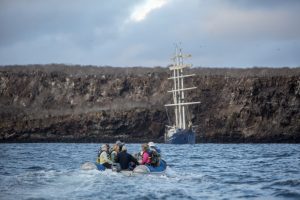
x=151, y=144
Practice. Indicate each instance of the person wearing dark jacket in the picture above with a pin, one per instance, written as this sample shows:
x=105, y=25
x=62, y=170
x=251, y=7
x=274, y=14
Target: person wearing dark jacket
x=127, y=161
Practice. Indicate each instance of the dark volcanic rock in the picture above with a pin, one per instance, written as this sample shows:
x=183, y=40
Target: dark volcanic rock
x=57, y=103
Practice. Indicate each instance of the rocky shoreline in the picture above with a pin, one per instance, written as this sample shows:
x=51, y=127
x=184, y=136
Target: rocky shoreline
x=59, y=103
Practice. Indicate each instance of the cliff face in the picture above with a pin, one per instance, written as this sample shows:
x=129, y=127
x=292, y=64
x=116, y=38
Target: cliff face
x=93, y=104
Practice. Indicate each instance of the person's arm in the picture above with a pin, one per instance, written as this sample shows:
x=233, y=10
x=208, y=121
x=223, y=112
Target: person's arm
x=117, y=157
x=133, y=159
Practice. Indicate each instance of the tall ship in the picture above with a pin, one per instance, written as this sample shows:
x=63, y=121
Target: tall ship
x=181, y=131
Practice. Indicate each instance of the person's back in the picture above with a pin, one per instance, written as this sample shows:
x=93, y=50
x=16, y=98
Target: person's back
x=103, y=159
x=125, y=159
x=155, y=154
x=145, y=155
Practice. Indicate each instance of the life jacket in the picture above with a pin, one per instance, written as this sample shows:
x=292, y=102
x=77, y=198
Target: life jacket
x=148, y=161
x=99, y=153
x=154, y=158
x=98, y=157
x=109, y=154
x=109, y=151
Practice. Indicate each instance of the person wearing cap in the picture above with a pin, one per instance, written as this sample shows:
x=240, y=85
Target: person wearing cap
x=155, y=154
x=153, y=147
x=126, y=160
x=103, y=159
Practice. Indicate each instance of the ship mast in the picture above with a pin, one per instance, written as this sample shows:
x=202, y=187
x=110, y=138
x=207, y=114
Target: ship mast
x=178, y=88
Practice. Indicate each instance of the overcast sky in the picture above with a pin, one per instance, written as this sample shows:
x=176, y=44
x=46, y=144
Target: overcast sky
x=218, y=33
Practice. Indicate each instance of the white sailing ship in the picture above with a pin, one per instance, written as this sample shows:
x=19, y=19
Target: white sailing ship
x=181, y=132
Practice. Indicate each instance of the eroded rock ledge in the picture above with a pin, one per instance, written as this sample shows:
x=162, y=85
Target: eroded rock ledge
x=59, y=103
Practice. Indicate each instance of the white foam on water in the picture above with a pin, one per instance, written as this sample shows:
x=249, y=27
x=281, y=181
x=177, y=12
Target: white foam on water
x=66, y=184
x=88, y=166
x=170, y=172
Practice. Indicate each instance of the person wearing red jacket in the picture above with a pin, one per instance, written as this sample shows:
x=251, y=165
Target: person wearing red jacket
x=145, y=155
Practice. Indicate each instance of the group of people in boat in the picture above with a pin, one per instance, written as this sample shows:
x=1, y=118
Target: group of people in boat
x=118, y=156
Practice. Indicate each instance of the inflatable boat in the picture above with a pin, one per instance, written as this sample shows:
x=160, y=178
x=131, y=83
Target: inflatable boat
x=140, y=169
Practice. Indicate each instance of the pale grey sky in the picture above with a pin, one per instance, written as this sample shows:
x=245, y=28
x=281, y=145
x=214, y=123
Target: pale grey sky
x=218, y=33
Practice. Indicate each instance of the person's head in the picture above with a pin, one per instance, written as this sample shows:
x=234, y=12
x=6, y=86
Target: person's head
x=119, y=143
x=151, y=144
x=104, y=147
x=107, y=145
x=145, y=147
x=124, y=148
x=116, y=148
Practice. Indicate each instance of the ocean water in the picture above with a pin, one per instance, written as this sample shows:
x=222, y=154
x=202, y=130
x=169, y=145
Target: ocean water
x=202, y=171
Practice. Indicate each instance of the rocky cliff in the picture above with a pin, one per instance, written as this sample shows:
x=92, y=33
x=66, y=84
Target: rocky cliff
x=47, y=103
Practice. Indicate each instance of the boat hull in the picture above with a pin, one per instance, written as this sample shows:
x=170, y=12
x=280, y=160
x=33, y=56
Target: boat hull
x=140, y=169
x=180, y=136
x=148, y=169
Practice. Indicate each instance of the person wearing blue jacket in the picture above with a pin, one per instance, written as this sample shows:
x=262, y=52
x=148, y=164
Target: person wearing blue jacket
x=155, y=154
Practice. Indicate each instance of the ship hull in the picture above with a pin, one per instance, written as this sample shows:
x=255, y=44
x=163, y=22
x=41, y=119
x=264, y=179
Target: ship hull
x=180, y=136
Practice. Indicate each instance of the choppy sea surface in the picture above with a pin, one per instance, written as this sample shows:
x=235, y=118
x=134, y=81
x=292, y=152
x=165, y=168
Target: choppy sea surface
x=202, y=171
